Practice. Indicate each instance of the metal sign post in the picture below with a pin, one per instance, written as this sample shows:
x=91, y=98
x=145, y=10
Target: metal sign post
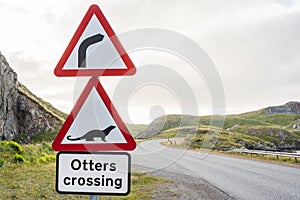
x=94, y=124
x=94, y=197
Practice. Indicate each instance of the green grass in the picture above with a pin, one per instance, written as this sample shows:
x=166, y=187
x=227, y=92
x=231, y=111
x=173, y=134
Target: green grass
x=12, y=152
x=178, y=132
x=28, y=172
x=37, y=181
x=135, y=129
x=258, y=118
x=30, y=181
x=265, y=157
x=214, y=138
x=44, y=137
x=255, y=118
x=142, y=186
x=253, y=130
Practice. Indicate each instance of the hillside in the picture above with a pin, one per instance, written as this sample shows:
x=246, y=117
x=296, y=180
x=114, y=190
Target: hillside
x=136, y=129
x=271, y=128
x=22, y=114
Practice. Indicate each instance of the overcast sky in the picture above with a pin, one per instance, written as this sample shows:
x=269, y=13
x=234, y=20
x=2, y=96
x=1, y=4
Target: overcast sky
x=254, y=45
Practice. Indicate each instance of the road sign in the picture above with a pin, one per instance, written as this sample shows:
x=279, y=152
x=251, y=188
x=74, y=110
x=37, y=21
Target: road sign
x=93, y=124
x=93, y=173
x=94, y=50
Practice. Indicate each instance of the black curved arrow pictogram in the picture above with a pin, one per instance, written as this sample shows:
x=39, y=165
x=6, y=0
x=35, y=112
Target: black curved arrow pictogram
x=83, y=47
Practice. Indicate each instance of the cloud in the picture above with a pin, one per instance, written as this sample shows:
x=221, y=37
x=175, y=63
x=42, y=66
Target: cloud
x=254, y=44
x=41, y=81
x=257, y=61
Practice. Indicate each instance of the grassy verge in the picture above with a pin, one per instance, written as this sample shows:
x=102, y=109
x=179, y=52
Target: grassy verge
x=37, y=181
x=28, y=172
x=287, y=160
x=142, y=186
x=282, y=160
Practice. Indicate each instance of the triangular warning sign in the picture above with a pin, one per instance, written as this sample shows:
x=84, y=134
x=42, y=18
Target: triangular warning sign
x=94, y=50
x=94, y=124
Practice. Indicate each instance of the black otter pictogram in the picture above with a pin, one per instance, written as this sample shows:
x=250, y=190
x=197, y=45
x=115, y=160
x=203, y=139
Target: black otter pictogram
x=90, y=136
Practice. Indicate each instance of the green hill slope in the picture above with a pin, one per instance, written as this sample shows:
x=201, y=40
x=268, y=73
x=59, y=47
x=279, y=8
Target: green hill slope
x=272, y=128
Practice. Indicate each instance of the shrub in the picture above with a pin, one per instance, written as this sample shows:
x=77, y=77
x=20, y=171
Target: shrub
x=4, y=143
x=15, y=146
x=46, y=158
x=18, y=158
x=1, y=162
x=42, y=160
x=4, y=146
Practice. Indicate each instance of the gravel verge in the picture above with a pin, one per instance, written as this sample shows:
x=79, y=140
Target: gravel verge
x=183, y=187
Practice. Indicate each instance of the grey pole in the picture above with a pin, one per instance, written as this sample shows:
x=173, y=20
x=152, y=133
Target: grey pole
x=94, y=197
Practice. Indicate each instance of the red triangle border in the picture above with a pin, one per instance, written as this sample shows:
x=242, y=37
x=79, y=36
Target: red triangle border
x=94, y=9
x=130, y=145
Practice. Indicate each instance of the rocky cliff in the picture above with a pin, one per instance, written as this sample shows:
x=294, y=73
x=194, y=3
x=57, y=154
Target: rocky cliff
x=292, y=107
x=22, y=114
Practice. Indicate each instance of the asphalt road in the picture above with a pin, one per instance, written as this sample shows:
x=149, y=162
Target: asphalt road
x=239, y=178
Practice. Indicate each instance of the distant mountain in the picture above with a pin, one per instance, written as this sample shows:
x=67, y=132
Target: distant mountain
x=271, y=128
x=22, y=114
x=292, y=107
x=167, y=122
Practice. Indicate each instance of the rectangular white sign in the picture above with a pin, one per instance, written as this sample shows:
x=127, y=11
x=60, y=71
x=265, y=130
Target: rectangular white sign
x=105, y=173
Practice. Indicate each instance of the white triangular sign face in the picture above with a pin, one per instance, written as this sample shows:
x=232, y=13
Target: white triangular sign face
x=93, y=118
x=94, y=50
x=100, y=55
x=94, y=124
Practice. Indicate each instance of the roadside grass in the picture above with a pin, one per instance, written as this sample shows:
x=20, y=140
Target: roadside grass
x=140, y=140
x=198, y=147
x=37, y=181
x=288, y=160
x=12, y=152
x=30, y=181
x=142, y=186
x=28, y=172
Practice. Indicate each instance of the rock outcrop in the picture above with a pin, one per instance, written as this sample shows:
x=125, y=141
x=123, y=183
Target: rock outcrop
x=295, y=124
x=292, y=107
x=22, y=114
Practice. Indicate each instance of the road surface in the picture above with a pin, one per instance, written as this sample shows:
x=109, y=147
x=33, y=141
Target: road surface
x=239, y=178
